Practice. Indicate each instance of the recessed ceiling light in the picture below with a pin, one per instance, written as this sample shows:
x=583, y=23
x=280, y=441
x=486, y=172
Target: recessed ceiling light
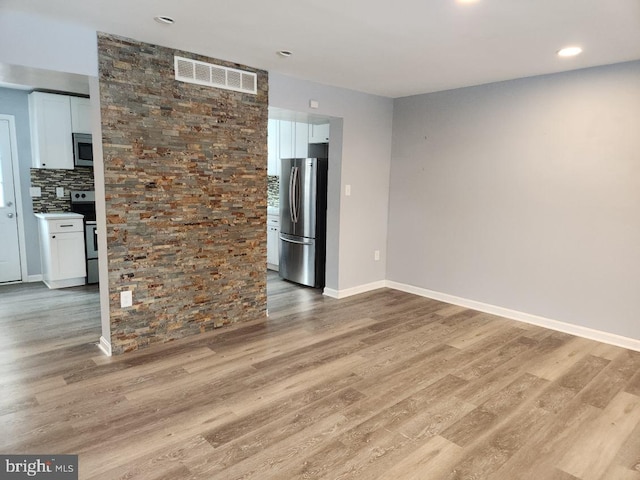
x=164, y=20
x=569, y=51
x=284, y=53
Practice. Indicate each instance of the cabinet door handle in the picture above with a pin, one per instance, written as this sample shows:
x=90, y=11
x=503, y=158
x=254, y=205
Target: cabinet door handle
x=67, y=225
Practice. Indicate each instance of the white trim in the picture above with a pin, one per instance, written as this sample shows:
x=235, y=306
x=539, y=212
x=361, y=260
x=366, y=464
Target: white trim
x=330, y=292
x=17, y=191
x=34, y=278
x=67, y=282
x=580, y=331
x=105, y=346
x=348, y=292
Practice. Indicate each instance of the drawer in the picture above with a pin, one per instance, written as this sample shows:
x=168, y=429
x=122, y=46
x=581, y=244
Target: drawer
x=71, y=225
x=273, y=222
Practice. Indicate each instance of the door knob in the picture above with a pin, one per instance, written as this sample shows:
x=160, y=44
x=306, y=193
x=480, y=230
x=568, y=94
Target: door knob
x=10, y=215
x=9, y=204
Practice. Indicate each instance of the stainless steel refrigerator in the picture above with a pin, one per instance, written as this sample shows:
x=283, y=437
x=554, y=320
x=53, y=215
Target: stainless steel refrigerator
x=303, y=220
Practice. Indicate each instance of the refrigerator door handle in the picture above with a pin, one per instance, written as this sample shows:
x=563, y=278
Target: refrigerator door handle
x=295, y=193
x=298, y=242
x=292, y=190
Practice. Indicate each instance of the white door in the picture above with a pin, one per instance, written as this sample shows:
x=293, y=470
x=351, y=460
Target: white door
x=9, y=244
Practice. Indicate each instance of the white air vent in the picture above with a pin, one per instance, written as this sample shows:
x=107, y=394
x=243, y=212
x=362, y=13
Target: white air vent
x=192, y=71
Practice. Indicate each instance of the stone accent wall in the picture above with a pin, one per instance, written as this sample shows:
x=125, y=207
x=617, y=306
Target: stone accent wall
x=186, y=196
x=273, y=190
x=48, y=180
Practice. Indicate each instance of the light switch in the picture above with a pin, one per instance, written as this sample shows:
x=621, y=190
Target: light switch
x=60, y=192
x=347, y=190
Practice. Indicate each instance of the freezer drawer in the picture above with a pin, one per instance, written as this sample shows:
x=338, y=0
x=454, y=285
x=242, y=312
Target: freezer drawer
x=298, y=260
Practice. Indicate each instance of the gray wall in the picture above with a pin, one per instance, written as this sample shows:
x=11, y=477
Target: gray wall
x=16, y=103
x=525, y=195
x=359, y=155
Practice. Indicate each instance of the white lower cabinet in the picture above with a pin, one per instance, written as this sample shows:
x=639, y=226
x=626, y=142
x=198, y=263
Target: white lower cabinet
x=273, y=242
x=62, y=249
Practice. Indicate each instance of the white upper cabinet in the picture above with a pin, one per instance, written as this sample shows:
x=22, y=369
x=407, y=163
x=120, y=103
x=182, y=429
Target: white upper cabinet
x=53, y=119
x=319, y=133
x=301, y=142
x=80, y=115
x=287, y=139
x=50, y=119
x=273, y=148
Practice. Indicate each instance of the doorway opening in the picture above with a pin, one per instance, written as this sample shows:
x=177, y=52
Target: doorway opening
x=294, y=135
x=25, y=191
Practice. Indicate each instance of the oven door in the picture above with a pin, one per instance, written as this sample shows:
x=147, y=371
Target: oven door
x=91, y=244
x=91, y=240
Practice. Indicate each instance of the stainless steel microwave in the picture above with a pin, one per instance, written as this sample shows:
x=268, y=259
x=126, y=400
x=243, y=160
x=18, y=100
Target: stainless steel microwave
x=82, y=150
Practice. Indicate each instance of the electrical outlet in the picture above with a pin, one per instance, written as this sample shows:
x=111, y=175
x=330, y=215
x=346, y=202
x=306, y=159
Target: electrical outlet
x=347, y=190
x=35, y=191
x=60, y=192
x=376, y=255
x=126, y=299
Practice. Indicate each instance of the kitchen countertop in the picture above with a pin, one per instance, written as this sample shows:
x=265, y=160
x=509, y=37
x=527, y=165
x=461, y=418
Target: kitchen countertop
x=59, y=216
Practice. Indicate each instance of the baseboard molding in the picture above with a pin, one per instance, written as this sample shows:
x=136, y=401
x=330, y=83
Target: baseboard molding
x=34, y=278
x=585, y=332
x=348, y=292
x=105, y=346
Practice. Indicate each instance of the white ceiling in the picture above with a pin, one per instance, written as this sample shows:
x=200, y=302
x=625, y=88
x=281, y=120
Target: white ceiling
x=390, y=48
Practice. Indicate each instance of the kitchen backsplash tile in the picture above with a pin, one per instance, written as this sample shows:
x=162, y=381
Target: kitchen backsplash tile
x=48, y=180
x=273, y=190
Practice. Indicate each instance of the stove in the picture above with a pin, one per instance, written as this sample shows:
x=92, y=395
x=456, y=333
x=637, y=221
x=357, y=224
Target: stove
x=84, y=202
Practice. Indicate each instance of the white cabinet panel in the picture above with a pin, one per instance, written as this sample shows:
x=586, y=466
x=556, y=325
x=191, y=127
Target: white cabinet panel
x=67, y=256
x=287, y=139
x=319, y=133
x=80, y=115
x=50, y=118
x=273, y=241
x=62, y=251
x=273, y=148
x=301, y=140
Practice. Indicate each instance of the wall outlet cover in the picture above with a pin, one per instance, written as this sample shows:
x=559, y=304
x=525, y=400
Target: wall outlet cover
x=35, y=191
x=60, y=192
x=126, y=299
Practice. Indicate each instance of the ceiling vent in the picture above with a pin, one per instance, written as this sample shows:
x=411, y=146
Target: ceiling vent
x=200, y=73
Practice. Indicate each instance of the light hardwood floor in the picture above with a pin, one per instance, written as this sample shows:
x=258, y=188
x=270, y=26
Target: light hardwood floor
x=383, y=385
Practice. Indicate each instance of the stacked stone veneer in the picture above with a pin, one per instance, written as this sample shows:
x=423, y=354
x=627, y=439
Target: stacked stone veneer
x=186, y=196
x=47, y=179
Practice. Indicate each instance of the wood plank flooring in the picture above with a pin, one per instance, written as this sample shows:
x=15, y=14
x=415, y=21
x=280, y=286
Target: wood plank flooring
x=383, y=385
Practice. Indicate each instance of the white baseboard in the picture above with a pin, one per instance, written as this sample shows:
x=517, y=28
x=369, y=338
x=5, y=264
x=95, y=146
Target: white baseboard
x=105, y=346
x=580, y=331
x=34, y=278
x=347, y=292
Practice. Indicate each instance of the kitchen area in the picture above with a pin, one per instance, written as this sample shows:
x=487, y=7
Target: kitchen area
x=49, y=182
x=297, y=196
